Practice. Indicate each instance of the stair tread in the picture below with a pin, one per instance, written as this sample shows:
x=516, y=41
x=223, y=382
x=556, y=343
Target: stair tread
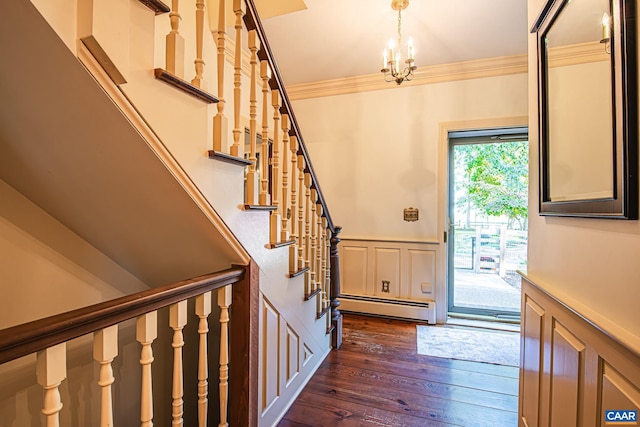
x=156, y=5
x=228, y=158
x=185, y=86
x=299, y=272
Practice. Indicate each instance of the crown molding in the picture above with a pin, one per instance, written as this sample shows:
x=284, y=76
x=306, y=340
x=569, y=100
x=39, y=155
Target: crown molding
x=575, y=54
x=466, y=70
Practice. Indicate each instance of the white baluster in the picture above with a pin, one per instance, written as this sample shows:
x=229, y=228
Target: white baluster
x=285, y=211
x=237, y=149
x=51, y=370
x=177, y=320
x=219, y=120
x=146, y=333
x=293, y=221
x=175, y=43
x=203, y=309
x=314, y=239
x=254, y=44
x=275, y=167
x=199, y=62
x=308, y=277
x=265, y=74
x=224, y=301
x=105, y=349
x=301, y=209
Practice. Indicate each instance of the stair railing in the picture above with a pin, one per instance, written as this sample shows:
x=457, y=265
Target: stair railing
x=279, y=172
x=48, y=338
x=302, y=219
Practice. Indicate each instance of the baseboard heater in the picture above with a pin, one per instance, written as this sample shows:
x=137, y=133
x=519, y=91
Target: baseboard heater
x=423, y=310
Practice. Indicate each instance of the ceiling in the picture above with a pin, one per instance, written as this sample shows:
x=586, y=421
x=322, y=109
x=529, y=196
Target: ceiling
x=334, y=39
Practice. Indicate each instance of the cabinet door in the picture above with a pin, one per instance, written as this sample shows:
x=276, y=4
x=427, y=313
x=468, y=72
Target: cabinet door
x=387, y=274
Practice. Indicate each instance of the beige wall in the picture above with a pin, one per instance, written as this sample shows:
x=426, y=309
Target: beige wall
x=591, y=264
x=376, y=153
x=47, y=269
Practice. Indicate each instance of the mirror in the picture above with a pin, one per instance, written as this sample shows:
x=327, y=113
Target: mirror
x=588, y=108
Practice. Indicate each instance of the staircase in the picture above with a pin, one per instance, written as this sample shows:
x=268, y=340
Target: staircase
x=175, y=152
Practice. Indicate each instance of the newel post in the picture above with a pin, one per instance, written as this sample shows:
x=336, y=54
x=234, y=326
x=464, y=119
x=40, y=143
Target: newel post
x=336, y=316
x=243, y=351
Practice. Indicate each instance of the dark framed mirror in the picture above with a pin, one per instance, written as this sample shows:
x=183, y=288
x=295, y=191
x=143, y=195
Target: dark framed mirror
x=588, y=118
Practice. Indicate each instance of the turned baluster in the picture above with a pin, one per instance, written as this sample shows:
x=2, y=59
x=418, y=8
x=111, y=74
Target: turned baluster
x=307, y=234
x=177, y=321
x=301, y=209
x=105, y=349
x=175, y=43
x=275, y=177
x=285, y=210
x=237, y=148
x=265, y=75
x=325, y=264
x=314, y=239
x=295, y=234
x=224, y=301
x=219, y=120
x=203, y=309
x=199, y=62
x=336, y=316
x=51, y=370
x=318, y=261
x=251, y=188
x=146, y=333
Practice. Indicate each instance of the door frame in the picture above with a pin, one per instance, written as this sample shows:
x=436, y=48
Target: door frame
x=442, y=292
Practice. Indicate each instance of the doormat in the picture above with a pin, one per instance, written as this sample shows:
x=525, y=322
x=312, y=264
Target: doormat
x=501, y=348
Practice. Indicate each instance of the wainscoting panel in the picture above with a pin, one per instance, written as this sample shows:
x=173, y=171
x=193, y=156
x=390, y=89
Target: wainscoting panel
x=617, y=392
x=531, y=360
x=293, y=355
x=270, y=359
x=567, y=361
x=422, y=274
x=571, y=371
x=387, y=278
x=354, y=269
x=390, y=278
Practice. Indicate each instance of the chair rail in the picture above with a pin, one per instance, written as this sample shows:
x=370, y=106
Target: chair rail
x=28, y=338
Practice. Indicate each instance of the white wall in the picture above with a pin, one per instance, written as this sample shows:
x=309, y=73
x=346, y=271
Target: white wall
x=376, y=153
x=591, y=264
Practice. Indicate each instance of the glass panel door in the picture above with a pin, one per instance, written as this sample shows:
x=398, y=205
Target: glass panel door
x=487, y=240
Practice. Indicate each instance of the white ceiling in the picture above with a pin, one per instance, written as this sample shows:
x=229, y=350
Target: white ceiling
x=333, y=39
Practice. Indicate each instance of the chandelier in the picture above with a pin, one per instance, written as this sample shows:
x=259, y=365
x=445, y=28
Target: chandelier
x=394, y=69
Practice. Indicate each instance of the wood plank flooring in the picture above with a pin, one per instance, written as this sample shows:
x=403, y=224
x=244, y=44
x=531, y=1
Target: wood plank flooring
x=378, y=379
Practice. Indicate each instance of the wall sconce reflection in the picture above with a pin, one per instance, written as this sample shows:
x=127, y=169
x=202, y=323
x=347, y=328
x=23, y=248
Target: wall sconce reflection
x=606, y=32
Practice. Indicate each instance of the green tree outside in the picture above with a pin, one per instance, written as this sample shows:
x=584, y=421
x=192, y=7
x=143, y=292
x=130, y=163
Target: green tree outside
x=496, y=180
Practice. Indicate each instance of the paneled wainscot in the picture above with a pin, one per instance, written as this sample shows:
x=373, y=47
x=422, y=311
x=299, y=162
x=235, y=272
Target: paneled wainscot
x=571, y=371
x=389, y=278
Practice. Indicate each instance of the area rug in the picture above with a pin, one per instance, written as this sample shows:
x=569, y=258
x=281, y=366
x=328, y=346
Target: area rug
x=502, y=348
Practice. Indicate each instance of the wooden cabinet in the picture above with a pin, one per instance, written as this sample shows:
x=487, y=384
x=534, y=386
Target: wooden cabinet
x=571, y=371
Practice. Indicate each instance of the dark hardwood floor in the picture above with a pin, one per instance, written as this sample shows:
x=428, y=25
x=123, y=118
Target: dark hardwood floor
x=378, y=379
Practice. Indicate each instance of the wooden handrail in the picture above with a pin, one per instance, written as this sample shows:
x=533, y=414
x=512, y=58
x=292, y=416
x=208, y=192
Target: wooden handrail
x=28, y=338
x=252, y=21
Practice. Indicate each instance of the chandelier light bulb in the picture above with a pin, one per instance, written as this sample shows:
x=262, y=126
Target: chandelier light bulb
x=393, y=68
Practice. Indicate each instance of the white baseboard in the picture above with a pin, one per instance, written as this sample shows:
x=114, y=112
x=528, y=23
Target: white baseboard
x=425, y=311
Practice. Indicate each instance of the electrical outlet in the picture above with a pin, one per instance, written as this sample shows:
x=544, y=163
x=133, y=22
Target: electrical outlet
x=385, y=285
